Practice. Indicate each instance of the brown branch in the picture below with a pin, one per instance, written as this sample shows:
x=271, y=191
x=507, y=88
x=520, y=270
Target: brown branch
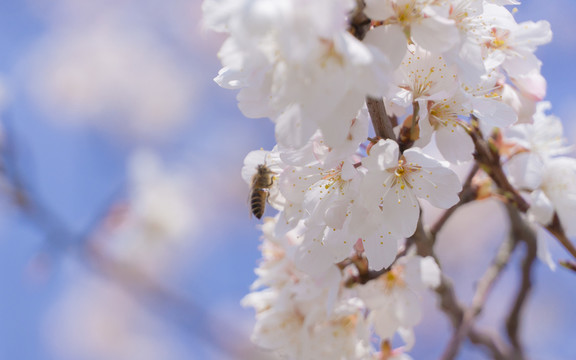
x=488, y=158
x=380, y=119
x=364, y=273
x=359, y=26
x=567, y=264
x=359, y=22
x=492, y=345
x=448, y=301
x=555, y=228
x=483, y=289
x=410, y=130
x=523, y=232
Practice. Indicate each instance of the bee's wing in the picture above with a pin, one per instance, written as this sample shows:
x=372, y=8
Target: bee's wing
x=248, y=202
x=251, y=162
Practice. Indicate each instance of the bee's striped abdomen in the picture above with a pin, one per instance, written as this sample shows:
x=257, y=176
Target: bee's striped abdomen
x=258, y=202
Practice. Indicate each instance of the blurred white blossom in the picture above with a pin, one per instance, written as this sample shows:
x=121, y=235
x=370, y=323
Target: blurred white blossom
x=158, y=220
x=110, y=72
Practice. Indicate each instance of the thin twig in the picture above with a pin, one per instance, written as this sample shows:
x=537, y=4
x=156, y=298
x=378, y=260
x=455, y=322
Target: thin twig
x=555, y=228
x=488, y=157
x=523, y=232
x=483, y=289
x=448, y=301
x=493, y=345
x=369, y=275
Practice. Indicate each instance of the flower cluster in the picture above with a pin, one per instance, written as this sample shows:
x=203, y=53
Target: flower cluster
x=305, y=317
x=447, y=75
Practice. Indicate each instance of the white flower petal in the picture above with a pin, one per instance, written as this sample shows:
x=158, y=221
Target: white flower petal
x=543, y=251
x=435, y=34
x=409, y=307
x=454, y=143
x=390, y=40
x=380, y=249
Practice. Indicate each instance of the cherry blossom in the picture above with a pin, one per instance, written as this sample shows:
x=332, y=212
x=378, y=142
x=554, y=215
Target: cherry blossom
x=394, y=183
x=302, y=73
x=394, y=298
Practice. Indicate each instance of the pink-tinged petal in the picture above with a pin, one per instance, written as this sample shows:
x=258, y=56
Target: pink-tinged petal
x=275, y=329
x=494, y=112
x=294, y=182
x=230, y=78
x=469, y=61
x=322, y=94
x=412, y=272
x=338, y=244
x=348, y=171
x=287, y=221
x=430, y=272
x=531, y=85
x=390, y=40
x=426, y=129
x=373, y=184
x=251, y=162
x=494, y=59
x=298, y=157
x=385, y=323
x=336, y=215
x=383, y=155
x=408, y=308
x=378, y=9
x=331, y=280
x=518, y=66
x=311, y=256
x=566, y=212
x=400, y=211
x=435, y=34
x=543, y=251
x=292, y=130
x=363, y=221
x=380, y=249
x=335, y=126
x=454, y=143
x=525, y=170
x=417, y=157
x=317, y=199
x=407, y=335
x=439, y=186
x=252, y=102
x=506, y=2
x=528, y=35
x=559, y=185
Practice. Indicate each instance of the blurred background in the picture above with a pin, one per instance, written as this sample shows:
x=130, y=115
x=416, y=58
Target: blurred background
x=124, y=226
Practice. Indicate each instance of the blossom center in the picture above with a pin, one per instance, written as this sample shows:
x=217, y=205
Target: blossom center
x=500, y=39
x=394, y=278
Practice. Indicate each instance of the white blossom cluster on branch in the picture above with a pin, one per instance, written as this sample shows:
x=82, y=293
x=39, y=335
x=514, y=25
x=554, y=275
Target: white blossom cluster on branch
x=459, y=76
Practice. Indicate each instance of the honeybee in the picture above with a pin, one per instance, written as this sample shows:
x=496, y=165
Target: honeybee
x=260, y=189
